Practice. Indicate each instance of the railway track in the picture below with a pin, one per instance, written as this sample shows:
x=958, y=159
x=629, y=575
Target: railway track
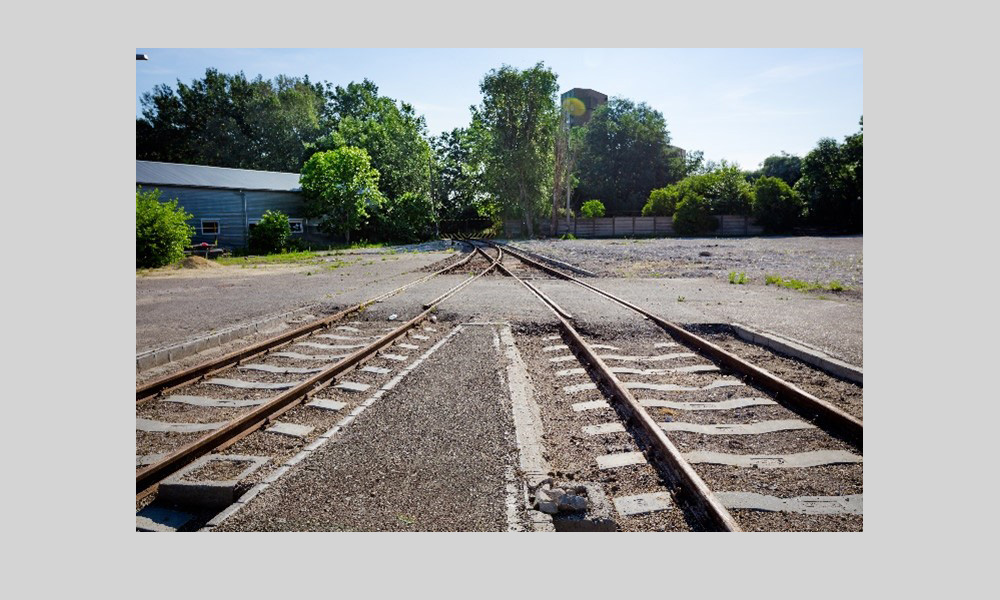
x=686, y=416
x=223, y=402
x=651, y=422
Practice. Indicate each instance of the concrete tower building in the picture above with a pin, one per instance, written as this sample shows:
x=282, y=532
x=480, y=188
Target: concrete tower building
x=591, y=100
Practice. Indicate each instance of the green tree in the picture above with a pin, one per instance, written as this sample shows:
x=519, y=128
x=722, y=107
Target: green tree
x=693, y=216
x=626, y=154
x=831, y=184
x=161, y=230
x=406, y=218
x=592, y=209
x=392, y=135
x=455, y=178
x=271, y=233
x=341, y=189
x=231, y=121
x=514, y=129
x=786, y=167
x=776, y=206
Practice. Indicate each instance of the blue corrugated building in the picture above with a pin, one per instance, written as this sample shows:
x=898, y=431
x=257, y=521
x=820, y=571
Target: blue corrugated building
x=226, y=203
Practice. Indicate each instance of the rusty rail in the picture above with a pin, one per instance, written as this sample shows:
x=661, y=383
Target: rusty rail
x=170, y=382
x=694, y=490
x=826, y=415
x=150, y=476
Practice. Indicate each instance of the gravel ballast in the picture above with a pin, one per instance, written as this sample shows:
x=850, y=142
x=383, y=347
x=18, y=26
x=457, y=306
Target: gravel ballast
x=430, y=455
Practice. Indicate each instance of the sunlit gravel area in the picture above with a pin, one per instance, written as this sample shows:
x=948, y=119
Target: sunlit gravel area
x=822, y=259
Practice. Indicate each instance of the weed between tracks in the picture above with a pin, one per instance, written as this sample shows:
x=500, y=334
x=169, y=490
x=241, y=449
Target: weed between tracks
x=798, y=284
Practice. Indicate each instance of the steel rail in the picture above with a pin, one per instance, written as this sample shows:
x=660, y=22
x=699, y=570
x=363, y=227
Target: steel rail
x=454, y=290
x=150, y=476
x=693, y=487
x=149, y=390
x=559, y=310
x=825, y=414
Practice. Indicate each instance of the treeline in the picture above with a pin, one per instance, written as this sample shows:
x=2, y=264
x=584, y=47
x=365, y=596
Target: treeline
x=371, y=170
x=822, y=190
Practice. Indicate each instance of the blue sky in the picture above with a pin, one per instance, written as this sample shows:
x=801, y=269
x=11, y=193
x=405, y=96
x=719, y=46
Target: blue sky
x=741, y=105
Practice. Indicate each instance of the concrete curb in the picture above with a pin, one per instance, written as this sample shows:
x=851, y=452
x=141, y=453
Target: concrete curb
x=161, y=356
x=801, y=351
x=527, y=425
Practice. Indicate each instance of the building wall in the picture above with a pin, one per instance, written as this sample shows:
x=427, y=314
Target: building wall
x=227, y=207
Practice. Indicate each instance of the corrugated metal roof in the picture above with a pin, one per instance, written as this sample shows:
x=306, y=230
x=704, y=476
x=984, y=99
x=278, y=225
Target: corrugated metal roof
x=159, y=173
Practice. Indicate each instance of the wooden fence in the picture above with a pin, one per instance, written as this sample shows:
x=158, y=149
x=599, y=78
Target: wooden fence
x=728, y=225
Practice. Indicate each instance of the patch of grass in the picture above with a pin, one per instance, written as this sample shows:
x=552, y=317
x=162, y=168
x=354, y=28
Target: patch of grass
x=567, y=236
x=803, y=286
x=681, y=298
x=738, y=278
x=284, y=257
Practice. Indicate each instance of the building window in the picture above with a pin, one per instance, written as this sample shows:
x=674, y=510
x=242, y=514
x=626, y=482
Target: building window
x=210, y=227
x=297, y=225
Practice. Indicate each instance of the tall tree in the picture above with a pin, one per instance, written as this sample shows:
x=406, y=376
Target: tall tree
x=231, y=121
x=514, y=129
x=568, y=143
x=626, y=154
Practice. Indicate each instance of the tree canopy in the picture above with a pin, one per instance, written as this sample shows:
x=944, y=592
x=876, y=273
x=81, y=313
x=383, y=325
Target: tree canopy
x=514, y=133
x=784, y=166
x=392, y=135
x=231, y=121
x=831, y=183
x=626, y=154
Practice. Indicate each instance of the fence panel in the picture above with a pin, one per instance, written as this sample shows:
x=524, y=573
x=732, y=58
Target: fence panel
x=729, y=225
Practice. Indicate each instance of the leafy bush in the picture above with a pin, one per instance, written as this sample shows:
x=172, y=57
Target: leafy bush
x=662, y=202
x=592, y=209
x=271, y=234
x=776, y=207
x=729, y=193
x=693, y=216
x=161, y=230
